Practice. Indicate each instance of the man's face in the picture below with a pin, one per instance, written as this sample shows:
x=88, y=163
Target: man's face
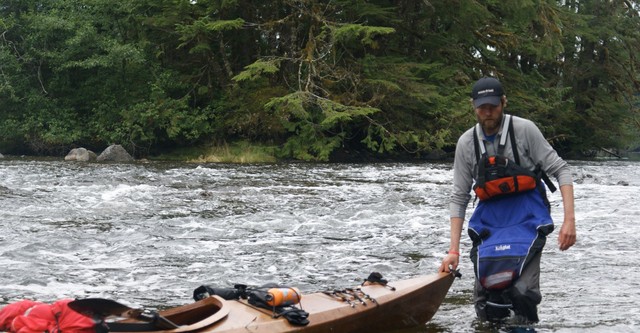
x=489, y=117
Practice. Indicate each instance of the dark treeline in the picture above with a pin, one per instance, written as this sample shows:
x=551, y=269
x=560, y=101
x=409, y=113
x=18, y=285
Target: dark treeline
x=315, y=79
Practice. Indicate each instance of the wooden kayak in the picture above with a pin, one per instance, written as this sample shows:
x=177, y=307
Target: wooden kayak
x=379, y=308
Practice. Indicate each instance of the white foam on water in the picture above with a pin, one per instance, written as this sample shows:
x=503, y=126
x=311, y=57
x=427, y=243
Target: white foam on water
x=148, y=234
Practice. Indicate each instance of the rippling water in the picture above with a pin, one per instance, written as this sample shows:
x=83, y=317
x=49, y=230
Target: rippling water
x=148, y=234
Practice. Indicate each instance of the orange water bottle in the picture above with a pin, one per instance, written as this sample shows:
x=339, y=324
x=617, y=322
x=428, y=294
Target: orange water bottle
x=283, y=296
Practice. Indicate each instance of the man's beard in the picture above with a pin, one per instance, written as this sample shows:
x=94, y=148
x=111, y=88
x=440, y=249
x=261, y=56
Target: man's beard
x=491, y=125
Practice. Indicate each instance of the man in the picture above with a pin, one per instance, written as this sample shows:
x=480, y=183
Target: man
x=512, y=218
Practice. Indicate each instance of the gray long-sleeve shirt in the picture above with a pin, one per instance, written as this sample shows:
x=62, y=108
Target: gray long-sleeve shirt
x=532, y=147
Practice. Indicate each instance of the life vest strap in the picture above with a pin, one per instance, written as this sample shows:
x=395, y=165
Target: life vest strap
x=500, y=161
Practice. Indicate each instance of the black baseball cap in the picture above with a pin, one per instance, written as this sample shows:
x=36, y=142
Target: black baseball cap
x=487, y=90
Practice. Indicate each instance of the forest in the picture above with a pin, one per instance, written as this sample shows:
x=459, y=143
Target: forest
x=314, y=80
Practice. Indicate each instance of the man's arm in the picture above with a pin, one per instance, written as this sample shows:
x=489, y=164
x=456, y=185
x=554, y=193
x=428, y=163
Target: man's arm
x=567, y=235
x=542, y=153
x=453, y=257
x=462, y=180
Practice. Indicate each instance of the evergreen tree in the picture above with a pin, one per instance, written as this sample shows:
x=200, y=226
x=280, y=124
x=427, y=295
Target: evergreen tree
x=312, y=77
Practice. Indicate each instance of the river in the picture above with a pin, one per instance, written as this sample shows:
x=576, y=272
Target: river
x=147, y=234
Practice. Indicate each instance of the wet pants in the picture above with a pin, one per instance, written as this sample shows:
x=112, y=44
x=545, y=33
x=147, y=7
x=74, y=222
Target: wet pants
x=523, y=296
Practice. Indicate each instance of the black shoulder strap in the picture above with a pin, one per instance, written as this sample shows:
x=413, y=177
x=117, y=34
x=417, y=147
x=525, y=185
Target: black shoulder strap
x=516, y=158
x=514, y=147
x=476, y=144
x=480, y=155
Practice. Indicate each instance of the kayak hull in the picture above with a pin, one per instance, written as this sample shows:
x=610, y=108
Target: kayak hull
x=400, y=304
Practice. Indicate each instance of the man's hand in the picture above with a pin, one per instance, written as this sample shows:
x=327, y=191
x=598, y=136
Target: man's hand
x=448, y=263
x=567, y=236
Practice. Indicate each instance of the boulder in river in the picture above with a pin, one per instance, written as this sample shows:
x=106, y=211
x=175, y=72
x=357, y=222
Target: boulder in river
x=81, y=155
x=115, y=153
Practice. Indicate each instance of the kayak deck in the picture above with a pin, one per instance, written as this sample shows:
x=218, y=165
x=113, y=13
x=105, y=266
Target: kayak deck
x=402, y=303
x=188, y=318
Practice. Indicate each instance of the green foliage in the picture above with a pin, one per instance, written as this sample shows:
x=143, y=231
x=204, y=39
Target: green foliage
x=366, y=35
x=159, y=121
x=200, y=30
x=241, y=115
x=258, y=69
x=319, y=124
x=311, y=77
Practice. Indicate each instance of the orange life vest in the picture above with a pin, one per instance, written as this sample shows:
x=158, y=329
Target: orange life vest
x=498, y=175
